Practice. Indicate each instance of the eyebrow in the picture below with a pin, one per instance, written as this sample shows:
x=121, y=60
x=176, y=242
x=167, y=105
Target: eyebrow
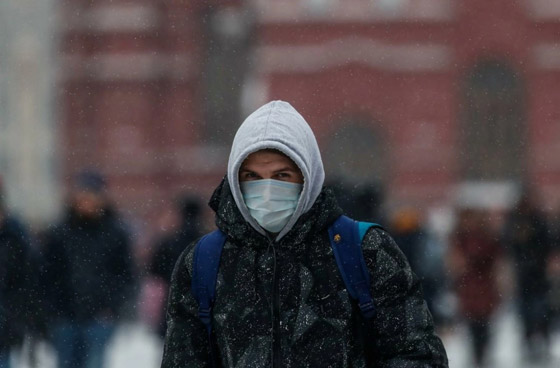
x=287, y=168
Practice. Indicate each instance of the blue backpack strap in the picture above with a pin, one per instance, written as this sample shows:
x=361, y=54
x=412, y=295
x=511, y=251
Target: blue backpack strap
x=206, y=262
x=346, y=237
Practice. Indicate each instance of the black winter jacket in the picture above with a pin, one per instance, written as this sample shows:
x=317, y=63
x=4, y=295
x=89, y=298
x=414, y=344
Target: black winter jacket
x=87, y=268
x=284, y=304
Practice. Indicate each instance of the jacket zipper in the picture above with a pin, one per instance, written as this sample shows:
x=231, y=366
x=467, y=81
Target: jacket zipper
x=275, y=313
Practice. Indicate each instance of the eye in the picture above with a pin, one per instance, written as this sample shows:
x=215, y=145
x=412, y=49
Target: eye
x=249, y=175
x=283, y=175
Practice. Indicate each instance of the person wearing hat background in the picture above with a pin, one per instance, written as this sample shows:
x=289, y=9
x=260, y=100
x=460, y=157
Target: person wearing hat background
x=87, y=274
x=280, y=298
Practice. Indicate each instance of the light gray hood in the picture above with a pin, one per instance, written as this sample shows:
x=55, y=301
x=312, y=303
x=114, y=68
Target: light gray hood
x=279, y=126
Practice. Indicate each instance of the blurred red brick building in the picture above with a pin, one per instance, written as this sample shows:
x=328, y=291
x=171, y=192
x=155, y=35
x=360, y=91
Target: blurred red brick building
x=415, y=96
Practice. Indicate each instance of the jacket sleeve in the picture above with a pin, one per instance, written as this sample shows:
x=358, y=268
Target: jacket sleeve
x=186, y=339
x=403, y=327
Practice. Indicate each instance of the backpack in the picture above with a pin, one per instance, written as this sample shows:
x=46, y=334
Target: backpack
x=345, y=236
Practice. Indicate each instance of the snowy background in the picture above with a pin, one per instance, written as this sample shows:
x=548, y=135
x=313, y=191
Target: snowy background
x=139, y=90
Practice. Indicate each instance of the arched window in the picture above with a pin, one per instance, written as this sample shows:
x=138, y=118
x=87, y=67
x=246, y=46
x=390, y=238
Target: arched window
x=493, y=135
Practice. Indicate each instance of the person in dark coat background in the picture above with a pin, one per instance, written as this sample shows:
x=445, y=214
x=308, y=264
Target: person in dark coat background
x=87, y=273
x=14, y=283
x=169, y=249
x=280, y=297
x=529, y=244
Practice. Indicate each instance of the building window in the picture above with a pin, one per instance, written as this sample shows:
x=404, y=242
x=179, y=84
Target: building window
x=493, y=138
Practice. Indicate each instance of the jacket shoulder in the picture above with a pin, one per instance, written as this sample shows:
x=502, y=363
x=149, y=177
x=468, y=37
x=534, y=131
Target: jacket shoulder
x=385, y=260
x=378, y=240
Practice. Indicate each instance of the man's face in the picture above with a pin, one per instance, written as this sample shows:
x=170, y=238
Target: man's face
x=88, y=204
x=270, y=164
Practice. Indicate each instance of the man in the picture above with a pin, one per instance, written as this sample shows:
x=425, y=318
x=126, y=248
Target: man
x=87, y=273
x=527, y=239
x=280, y=298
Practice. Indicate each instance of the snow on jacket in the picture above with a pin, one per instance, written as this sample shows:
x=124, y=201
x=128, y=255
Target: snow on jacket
x=281, y=302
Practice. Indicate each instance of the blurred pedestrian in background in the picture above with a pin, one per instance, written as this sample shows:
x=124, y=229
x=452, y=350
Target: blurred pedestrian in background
x=168, y=249
x=527, y=238
x=474, y=258
x=15, y=276
x=424, y=254
x=87, y=274
x=553, y=269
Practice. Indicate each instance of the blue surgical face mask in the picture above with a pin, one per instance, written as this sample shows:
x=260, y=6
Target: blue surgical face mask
x=271, y=202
